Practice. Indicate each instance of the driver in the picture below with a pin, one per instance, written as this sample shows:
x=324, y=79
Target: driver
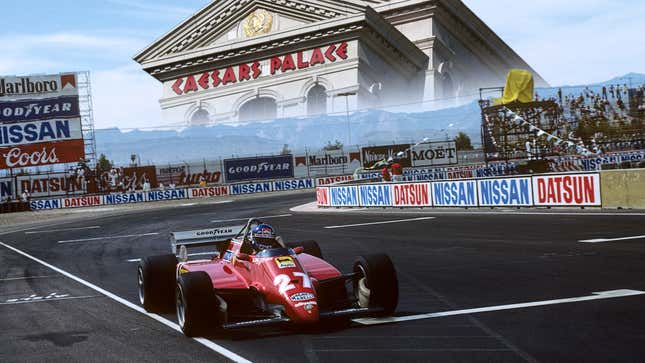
x=263, y=237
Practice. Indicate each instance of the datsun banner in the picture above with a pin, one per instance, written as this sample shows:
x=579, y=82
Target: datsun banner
x=434, y=153
x=250, y=188
x=42, y=86
x=32, y=110
x=333, y=179
x=259, y=168
x=411, y=195
x=455, y=193
x=567, y=190
x=373, y=154
x=46, y=185
x=344, y=196
x=210, y=192
x=505, y=192
x=322, y=197
x=84, y=201
x=375, y=195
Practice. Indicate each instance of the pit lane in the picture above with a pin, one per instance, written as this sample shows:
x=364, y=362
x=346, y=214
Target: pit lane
x=451, y=262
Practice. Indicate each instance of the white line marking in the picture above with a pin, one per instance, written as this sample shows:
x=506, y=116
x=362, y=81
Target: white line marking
x=600, y=240
x=246, y=219
x=109, y=237
x=595, y=296
x=63, y=229
x=190, y=254
x=27, y=278
x=383, y=222
x=134, y=260
x=50, y=299
x=205, y=342
x=187, y=204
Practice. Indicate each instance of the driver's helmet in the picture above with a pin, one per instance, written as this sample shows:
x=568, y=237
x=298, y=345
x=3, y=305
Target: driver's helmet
x=263, y=237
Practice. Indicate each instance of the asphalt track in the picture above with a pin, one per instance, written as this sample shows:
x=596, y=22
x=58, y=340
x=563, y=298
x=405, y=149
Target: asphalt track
x=451, y=262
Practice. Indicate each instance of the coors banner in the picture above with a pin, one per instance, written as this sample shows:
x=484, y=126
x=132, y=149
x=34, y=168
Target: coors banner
x=374, y=154
x=14, y=88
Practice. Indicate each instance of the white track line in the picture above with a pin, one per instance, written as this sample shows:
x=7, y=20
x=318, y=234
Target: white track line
x=205, y=342
x=601, y=240
x=383, y=222
x=52, y=299
x=190, y=254
x=108, y=237
x=595, y=296
x=246, y=219
x=63, y=229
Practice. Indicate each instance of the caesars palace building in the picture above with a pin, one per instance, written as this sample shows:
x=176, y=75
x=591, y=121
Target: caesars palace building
x=242, y=60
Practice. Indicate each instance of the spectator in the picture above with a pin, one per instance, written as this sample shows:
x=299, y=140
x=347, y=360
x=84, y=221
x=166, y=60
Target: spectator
x=397, y=172
x=385, y=174
x=24, y=197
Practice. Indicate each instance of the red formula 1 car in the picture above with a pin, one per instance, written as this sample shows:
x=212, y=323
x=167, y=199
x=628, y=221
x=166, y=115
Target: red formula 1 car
x=239, y=287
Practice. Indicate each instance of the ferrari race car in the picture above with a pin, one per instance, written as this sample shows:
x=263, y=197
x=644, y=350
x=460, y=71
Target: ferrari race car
x=239, y=286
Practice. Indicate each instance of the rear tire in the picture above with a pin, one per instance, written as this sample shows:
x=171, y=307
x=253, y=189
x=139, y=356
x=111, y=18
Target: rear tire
x=311, y=247
x=377, y=286
x=156, y=282
x=199, y=310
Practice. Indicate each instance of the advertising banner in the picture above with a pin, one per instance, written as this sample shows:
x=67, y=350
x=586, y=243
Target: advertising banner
x=191, y=174
x=334, y=179
x=6, y=188
x=210, y=192
x=375, y=195
x=171, y=194
x=24, y=133
x=344, y=196
x=295, y=184
x=124, y=198
x=259, y=168
x=461, y=193
x=42, y=86
x=128, y=179
x=32, y=110
x=411, y=195
x=434, y=153
x=322, y=197
x=46, y=185
x=40, y=204
x=373, y=154
x=45, y=153
x=250, y=188
x=84, y=201
x=327, y=163
x=505, y=192
x=567, y=190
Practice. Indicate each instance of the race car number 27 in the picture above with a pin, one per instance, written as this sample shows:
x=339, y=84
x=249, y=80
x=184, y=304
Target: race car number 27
x=283, y=281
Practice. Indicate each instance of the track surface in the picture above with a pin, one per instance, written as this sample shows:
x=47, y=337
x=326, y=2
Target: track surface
x=454, y=261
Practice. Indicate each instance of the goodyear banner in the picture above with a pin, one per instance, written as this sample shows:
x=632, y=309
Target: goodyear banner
x=375, y=195
x=411, y=195
x=259, y=168
x=567, y=190
x=505, y=192
x=454, y=193
x=45, y=109
x=344, y=196
x=250, y=188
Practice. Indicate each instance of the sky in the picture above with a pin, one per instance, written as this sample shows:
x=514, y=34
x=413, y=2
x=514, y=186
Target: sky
x=567, y=42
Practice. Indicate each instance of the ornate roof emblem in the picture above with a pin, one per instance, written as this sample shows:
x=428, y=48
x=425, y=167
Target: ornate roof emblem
x=258, y=22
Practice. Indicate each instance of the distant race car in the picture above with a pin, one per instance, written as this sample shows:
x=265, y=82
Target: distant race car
x=241, y=286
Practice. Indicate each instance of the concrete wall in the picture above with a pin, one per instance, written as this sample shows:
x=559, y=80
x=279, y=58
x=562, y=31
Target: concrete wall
x=623, y=188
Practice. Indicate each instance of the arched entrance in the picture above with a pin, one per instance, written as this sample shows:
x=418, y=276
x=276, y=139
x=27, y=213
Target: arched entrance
x=317, y=100
x=201, y=116
x=260, y=108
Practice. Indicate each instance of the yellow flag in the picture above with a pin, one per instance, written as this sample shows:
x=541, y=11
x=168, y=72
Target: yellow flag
x=519, y=87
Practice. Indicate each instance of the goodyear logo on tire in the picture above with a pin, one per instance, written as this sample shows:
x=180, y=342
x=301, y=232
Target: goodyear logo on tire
x=285, y=262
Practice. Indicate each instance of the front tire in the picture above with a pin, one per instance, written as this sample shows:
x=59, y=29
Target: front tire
x=156, y=282
x=377, y=285
x=199, y=310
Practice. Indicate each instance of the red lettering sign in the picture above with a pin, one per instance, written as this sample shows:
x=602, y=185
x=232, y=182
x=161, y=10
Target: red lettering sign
x=209, y=192
x=567, y=190
x=333, y=179
x=82, y=202
x=322, y=196
x=412, y=195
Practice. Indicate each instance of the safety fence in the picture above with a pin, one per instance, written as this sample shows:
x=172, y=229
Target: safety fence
x=546, y=190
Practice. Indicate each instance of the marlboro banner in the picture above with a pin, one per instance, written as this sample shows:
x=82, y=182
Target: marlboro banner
x=35, y=87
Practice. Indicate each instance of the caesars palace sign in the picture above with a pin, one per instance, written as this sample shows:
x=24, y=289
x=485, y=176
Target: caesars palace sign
x=253, y=70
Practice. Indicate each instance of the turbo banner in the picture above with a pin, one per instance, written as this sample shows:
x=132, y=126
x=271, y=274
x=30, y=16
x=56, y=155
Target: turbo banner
x=45, y=153
x=373, y=154
x=259, y=168
x=12, y=87
x=434, y=153
x=32, y=110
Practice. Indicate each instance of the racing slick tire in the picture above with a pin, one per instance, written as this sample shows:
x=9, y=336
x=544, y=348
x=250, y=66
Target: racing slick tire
x=377, y=285
x=156, y=282
x=199, y=310
x=311, y=247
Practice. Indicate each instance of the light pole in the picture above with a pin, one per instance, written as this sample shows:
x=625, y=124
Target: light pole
x=349, y=129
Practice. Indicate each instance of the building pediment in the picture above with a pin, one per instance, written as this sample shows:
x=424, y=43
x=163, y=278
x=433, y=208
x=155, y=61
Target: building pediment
x=228, y=20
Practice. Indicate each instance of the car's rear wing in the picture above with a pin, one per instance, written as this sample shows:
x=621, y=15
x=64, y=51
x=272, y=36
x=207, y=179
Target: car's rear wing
x=202, y=237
